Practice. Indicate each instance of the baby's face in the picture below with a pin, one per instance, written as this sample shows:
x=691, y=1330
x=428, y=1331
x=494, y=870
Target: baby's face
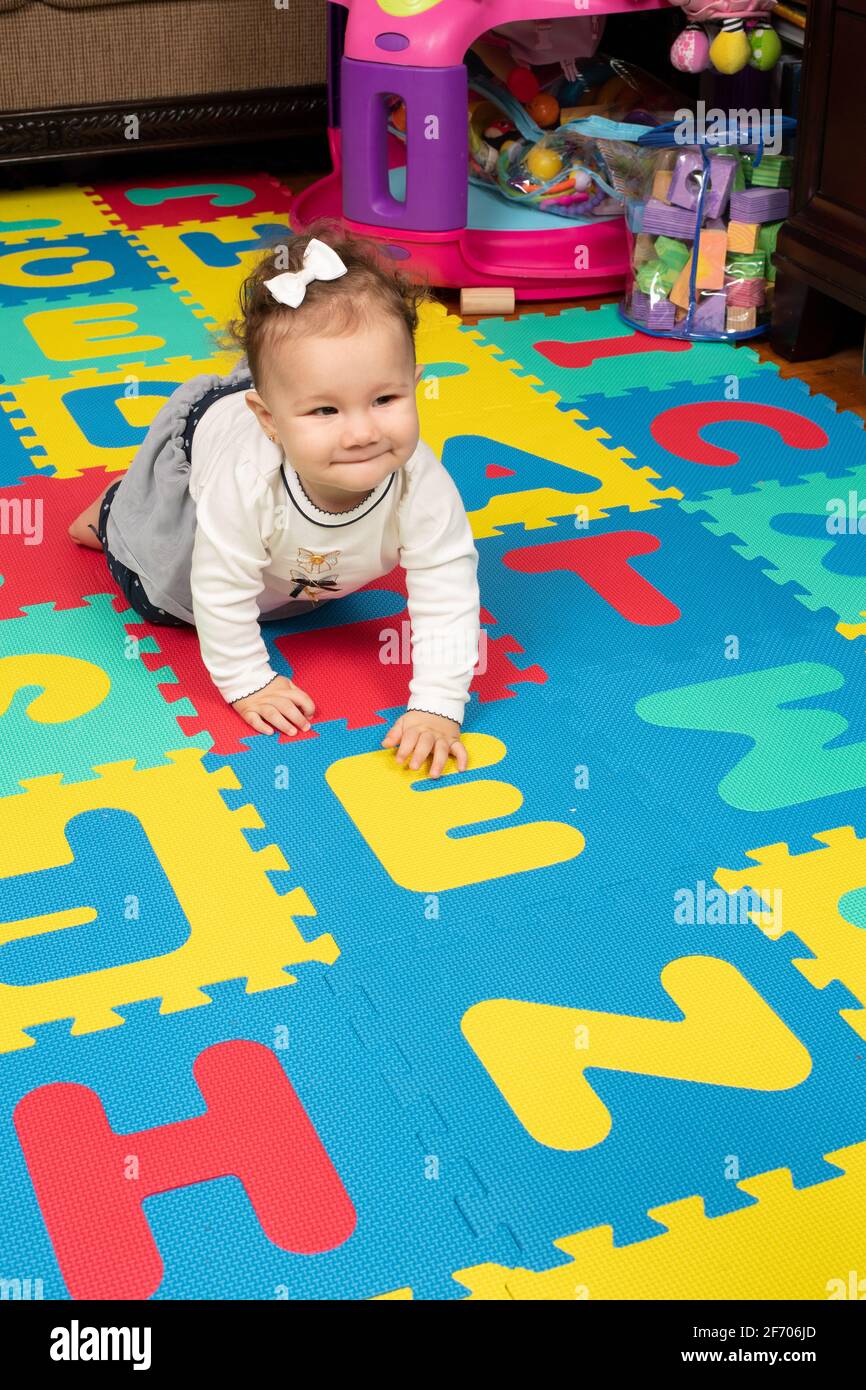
x=344, y=408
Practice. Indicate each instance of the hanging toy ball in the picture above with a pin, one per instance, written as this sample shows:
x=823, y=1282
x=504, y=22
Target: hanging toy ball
x=691, y=51
x=543, y=163
x=523, y=84
x=544, y=109
x=766, y=47
x=729, y=50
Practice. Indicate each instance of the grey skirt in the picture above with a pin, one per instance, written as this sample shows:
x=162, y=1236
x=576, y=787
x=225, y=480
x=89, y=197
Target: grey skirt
x=150, y=527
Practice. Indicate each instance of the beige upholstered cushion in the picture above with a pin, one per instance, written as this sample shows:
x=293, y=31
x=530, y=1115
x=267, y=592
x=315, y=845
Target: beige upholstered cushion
x=84, y=52
x=78, y=4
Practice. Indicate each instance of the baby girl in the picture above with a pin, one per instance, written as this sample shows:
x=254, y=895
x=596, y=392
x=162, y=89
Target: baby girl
x=296, y=479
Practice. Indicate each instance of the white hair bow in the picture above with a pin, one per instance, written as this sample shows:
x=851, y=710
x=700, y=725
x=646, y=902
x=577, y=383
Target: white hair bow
x=321, y=262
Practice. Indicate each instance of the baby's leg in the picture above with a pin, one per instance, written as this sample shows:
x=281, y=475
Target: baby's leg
x=83, y=529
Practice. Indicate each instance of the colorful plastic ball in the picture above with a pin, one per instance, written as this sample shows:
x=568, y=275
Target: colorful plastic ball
x=543, y=163
x=691, y=51
x=523, y=84
x=544, y=109
x=398, y=117
x=729, y=50
x=766, y=48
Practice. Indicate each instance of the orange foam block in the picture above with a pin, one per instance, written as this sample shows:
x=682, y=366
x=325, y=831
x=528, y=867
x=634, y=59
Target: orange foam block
x=661, y=184
x=679, y=295
x=712, y=250
x=743, y=236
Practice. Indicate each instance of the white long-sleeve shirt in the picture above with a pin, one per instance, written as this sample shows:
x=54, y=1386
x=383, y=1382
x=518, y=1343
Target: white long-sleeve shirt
x=261, y=546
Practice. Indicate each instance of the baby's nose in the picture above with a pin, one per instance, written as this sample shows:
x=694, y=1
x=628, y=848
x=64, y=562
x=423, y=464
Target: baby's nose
x=362, y=432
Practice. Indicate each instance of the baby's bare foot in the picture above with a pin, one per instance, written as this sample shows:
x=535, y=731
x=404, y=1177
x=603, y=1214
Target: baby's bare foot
x=84, y=533
x=83, y=529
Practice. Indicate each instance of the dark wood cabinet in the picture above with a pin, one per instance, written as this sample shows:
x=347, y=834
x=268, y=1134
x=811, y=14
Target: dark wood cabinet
x=821, y=251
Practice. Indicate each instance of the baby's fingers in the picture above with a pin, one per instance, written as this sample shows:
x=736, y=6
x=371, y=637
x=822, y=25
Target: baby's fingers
x=303, y=701
x=285, y=717
x=407, y=743
x=440, y=757
x=422, y=749
x=256, y=722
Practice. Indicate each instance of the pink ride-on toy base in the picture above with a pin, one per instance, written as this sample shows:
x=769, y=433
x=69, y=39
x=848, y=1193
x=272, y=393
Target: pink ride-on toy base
x=550, y=263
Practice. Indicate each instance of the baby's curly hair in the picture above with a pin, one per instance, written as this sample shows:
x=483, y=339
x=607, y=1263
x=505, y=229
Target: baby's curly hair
x=371, y=288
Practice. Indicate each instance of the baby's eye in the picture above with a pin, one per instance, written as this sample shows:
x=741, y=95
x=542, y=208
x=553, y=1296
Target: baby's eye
x=384, y=398
x=323, y=407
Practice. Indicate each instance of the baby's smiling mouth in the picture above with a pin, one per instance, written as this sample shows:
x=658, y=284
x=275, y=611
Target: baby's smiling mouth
x=370, y=458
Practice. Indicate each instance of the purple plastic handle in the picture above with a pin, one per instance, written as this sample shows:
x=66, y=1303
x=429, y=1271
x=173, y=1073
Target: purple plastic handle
x=437, y=172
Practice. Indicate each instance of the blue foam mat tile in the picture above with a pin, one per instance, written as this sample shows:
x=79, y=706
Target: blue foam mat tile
x=552, y=775
x=696, y=439
x=563, y=623
x=669, y=1137
x=755, y=773
x=409, y=1227
x=51, y=263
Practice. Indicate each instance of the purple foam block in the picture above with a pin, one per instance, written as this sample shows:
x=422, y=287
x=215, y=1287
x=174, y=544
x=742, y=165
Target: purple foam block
x=662, y=315
x=722, y=171
x=685, y=185
x=760, y=204
x=709, y=315
x=661, y=220
x=639, y=305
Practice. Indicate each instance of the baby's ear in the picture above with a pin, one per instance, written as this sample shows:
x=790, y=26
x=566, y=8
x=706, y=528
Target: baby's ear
x=259, y=409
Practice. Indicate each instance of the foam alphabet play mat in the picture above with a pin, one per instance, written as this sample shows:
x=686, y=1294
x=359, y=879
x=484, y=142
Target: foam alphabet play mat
x=281, y=1019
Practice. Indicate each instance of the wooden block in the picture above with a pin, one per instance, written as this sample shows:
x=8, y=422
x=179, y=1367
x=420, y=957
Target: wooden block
x=743, y=236
x=661, y=184
x=712, y=253
x=644, y=249
x=738, y=320
x=487, y=299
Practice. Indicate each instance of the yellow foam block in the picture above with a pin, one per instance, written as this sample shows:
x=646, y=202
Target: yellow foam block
x=661, y=184
x=743, y=236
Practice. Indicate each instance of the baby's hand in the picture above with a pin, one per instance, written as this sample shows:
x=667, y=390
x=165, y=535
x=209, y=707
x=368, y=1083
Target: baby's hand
x=418, y=730
x=280, y=704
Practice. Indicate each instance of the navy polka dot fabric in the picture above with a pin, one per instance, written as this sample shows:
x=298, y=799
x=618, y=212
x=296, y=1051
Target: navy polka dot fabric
x=126, y=579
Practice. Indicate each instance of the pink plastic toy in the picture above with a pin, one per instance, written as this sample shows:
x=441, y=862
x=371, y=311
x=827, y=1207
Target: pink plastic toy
x=415, y=196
